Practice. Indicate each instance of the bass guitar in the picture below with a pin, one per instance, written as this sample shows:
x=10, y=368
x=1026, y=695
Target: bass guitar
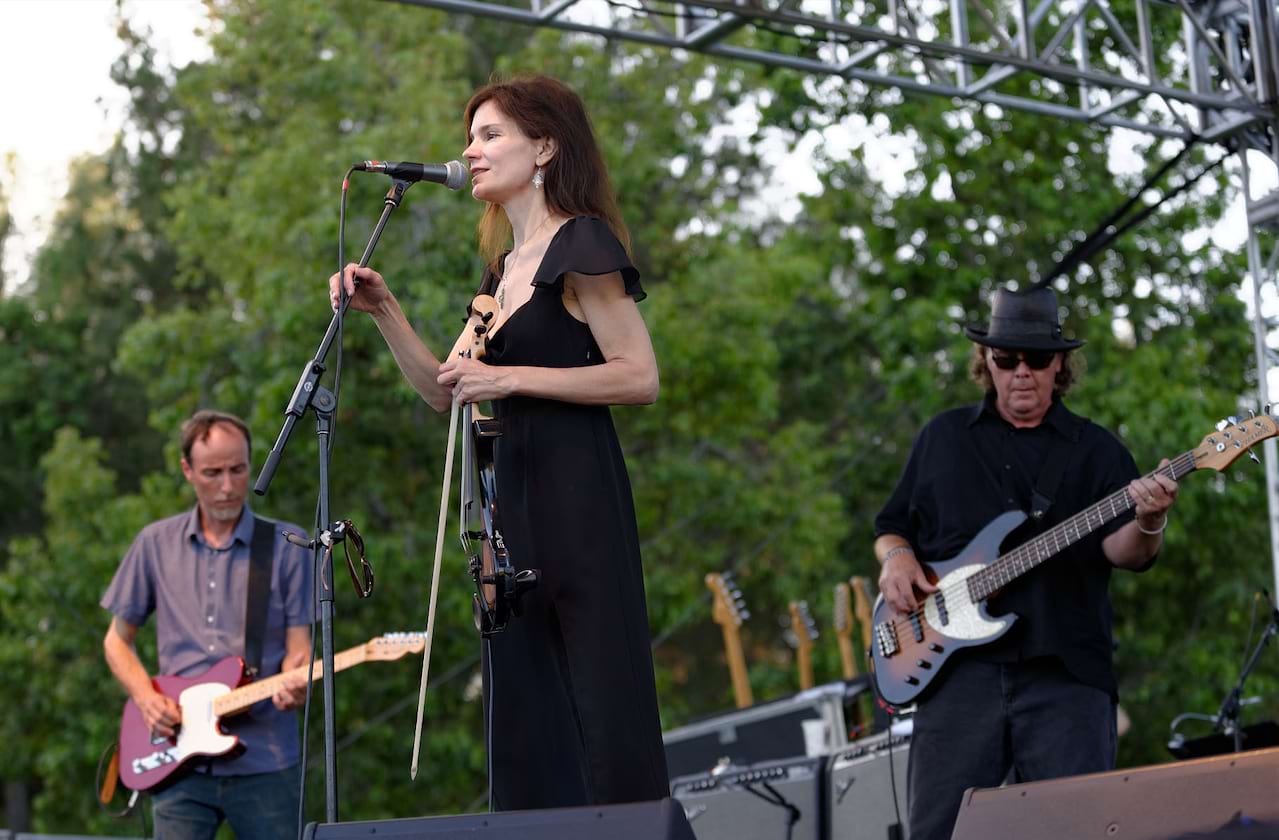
x=908, y=652
x=220, y=692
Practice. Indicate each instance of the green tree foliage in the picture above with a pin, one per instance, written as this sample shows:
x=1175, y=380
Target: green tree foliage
x=798, y=359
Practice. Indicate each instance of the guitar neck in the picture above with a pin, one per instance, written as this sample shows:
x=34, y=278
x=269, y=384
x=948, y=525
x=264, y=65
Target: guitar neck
x=1030, y=554
x=804, y=659
x=245, y=696
x=846, y=658
x=737, y=666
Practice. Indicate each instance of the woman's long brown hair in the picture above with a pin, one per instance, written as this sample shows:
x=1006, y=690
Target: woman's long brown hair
x=576, y=180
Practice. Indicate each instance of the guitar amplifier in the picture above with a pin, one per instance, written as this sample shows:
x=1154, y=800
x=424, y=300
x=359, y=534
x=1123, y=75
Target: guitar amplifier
x=764, y=732
x=759, y=801
x=866, y=789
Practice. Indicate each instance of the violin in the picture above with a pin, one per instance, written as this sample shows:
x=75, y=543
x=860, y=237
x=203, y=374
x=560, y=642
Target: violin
x=499, y=587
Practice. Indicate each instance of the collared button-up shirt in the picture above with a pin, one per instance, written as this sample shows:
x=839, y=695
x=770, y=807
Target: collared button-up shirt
x=198, y=594
x=969, y=465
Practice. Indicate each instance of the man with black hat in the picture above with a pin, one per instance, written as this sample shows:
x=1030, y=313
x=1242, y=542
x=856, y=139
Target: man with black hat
x=1039, y=702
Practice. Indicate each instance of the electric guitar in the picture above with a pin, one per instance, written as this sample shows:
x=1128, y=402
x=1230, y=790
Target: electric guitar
x=908, y=652
x=728, y=609
x=804, y=629
x=219, y=692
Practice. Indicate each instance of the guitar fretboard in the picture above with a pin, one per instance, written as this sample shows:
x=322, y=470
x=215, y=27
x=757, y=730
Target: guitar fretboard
x=1030, y=554
x=245, y=696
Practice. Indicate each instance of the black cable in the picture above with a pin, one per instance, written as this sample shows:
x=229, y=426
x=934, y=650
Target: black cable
x=1110, y=229
x=892, y=772
x=775, y=798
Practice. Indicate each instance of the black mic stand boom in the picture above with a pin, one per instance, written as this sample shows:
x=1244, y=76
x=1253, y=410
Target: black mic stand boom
x=310, y=394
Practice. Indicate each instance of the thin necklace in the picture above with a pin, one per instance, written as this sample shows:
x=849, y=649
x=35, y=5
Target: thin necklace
x=513, y=257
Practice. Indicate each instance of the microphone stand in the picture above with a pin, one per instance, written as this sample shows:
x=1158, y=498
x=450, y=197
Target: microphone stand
x=310, y=394
x=1227, y=720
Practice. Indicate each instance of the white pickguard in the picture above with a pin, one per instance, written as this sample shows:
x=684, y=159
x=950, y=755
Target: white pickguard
x=966, y=621
x=199, y=734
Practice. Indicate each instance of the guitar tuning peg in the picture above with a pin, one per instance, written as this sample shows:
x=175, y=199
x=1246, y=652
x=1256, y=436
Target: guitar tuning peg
x=1253, y=455
x=1234, y=421
x=1221, y=425
x=1251, y=413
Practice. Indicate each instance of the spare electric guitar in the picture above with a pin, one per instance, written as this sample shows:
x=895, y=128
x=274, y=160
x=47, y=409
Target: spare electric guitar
x=728, y=609
x=909, y=651
x=804, y=629
x=220, y=692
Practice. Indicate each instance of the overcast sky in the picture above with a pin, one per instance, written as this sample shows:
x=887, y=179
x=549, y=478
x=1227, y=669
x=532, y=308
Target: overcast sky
x=58, y=98
x=59, y=103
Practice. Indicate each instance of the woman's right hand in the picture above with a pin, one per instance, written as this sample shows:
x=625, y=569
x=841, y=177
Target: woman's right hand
x=368, y=296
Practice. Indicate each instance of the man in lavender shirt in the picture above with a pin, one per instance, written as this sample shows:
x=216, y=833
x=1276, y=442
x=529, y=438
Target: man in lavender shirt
x=191, y=570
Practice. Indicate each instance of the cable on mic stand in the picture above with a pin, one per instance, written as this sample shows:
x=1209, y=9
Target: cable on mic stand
x=309, y=394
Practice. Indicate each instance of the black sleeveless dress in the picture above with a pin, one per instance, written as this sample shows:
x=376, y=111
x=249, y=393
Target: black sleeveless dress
x=571, y=701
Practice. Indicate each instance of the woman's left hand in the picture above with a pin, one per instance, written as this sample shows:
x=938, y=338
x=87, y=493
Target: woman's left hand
x=473, y=381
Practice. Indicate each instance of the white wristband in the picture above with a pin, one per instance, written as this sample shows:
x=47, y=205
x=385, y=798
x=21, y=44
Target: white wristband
x=894, y=551
x=1158, y=530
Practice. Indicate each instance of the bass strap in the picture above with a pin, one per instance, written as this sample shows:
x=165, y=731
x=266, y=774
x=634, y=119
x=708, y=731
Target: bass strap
x=1052, y=471
x=261, y=559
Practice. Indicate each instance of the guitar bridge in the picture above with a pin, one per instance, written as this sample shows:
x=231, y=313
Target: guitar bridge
x=886, y=639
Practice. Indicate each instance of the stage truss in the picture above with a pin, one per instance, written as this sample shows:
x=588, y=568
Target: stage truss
x=1172, y=70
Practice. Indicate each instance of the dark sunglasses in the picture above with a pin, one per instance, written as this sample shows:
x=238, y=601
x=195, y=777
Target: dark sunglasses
x=1034, y=359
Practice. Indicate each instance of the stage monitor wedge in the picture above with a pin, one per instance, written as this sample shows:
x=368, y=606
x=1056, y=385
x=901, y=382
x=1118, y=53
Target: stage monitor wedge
x=1158, y=802
x=661, y=820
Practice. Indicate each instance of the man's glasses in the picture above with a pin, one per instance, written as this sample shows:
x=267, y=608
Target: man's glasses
x=1034, y=359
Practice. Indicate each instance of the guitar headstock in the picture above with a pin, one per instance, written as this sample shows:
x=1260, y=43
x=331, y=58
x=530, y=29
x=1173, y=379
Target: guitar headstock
x=802, y=624
x=843, y=611
x=729, y=607
x=394, y=645
x=1234, y=437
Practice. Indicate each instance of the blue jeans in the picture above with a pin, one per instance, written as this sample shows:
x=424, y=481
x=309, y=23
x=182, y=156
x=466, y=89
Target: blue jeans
x=986, y=723
x=262, y=806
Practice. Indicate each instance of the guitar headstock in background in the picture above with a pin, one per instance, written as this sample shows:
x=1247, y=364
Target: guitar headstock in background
x=804, y=629
x=729, y=607
x=728, y=610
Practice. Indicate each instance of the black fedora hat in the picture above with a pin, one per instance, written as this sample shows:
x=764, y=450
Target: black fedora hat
x=1023, y=321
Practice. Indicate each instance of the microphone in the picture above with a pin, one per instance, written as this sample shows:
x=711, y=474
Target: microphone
x=451, y=174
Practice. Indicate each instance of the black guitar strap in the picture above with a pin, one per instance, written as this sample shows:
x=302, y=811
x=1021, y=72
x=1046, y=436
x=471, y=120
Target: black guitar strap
x=1052, y=471
x=261, y=559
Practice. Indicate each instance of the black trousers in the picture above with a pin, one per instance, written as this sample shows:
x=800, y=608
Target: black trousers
x=986, y=723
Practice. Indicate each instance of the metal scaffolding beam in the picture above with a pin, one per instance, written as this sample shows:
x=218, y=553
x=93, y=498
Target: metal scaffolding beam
x=1166, y=68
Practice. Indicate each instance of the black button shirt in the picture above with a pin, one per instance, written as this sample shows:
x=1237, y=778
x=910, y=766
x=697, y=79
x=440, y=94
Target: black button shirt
x=967, y=466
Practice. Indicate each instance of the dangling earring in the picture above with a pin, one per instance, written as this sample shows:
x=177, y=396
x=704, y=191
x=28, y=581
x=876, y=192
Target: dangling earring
x=538, y=179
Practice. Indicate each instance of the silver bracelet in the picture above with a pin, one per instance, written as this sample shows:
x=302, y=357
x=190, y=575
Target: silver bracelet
x=1155, y=532
x=894, y=551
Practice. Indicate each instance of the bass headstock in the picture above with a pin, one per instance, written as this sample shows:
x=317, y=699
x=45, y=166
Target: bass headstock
x=1233, y=437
